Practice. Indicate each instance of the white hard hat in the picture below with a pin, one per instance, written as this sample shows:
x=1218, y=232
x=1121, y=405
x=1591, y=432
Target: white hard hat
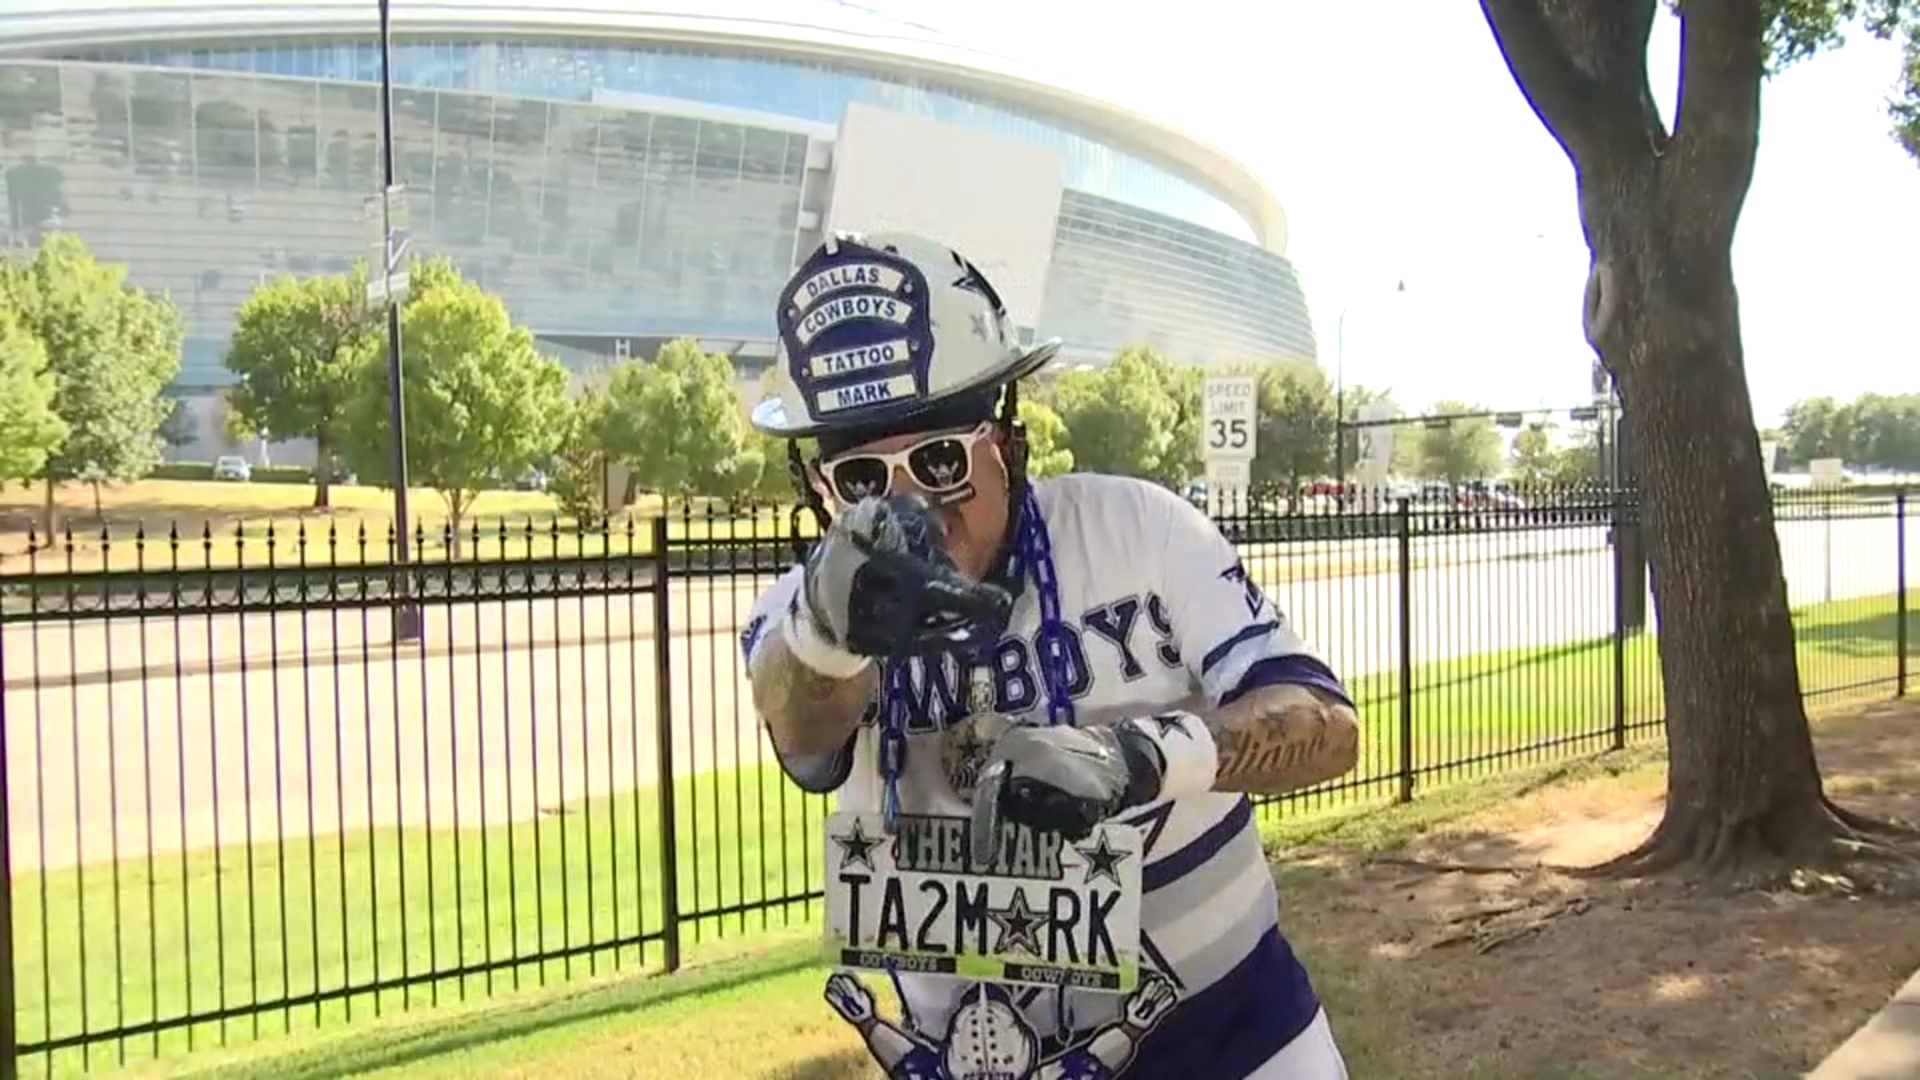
x=877, y=328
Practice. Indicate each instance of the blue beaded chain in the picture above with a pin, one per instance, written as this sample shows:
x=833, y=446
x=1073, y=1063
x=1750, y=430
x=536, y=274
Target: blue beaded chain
x=1032, y=555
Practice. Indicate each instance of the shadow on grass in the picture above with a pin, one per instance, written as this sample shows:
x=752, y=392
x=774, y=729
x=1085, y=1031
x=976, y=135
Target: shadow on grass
x=1868, y=635
x=372, y=1050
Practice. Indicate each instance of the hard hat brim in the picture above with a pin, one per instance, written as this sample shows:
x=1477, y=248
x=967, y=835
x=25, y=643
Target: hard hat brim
x=771, y=416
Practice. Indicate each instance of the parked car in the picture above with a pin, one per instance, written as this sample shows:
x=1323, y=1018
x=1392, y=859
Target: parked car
x=232, y=467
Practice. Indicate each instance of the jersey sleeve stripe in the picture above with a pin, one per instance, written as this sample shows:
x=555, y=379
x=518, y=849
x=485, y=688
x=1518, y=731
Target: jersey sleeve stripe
x=1164, y=872
x=1297, y=668
x=1219, y=653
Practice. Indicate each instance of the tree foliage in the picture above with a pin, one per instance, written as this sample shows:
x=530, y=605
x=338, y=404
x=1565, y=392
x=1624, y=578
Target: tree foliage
x=1293, y=437
x=1535, y=460
x=29, y=428
x=675, y=423
x=482, y=405
x=180, y=428
x=111, y=348
x=579, y=478
x=1461, y=450
x=1873, y=430
x=1133, y=417
x=296, y=350
x=1047, y=451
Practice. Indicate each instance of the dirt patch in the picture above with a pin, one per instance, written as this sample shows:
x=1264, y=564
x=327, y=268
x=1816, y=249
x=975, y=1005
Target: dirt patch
x=1475, y=973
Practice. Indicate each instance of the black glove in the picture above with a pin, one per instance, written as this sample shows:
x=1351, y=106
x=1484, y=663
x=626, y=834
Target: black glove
x=879, y=583
x=1063, y=779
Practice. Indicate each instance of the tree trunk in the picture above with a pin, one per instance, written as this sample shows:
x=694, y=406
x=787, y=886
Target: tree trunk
x=1742, y=781
x=322, y=472
x=1743, y=787
x=47, y=521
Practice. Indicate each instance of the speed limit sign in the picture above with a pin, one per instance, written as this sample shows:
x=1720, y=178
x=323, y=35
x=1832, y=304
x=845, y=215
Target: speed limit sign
x=1228, y=413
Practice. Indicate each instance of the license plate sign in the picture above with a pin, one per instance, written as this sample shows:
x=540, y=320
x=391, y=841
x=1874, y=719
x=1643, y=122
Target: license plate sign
x=1044, y=911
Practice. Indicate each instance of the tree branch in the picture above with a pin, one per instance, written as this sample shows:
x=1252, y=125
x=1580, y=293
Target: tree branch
x=1717, y=128
x=1582, y=66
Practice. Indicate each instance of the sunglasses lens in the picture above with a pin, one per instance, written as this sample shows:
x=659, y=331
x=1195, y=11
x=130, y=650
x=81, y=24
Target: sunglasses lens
x=856, y=478
x=940, y=464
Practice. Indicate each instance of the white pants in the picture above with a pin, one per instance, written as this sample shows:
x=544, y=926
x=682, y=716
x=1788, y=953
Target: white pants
x=1311, y=1055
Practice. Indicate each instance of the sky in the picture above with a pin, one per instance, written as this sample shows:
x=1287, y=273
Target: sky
x=1404, y=152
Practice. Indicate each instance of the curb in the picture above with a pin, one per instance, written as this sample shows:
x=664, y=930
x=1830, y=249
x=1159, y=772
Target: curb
x=1887, y=1046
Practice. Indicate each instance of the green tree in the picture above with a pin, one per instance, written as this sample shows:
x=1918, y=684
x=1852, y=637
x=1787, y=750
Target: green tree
x=579, y=479
x=1659, y=208
x=1815, y=427
x=1885, y=430
x=482, y=404
x=1183, y=385
x=1293, y=438
x=29, y=428
x=675, y=423
x=1459, y=450
x=112, y=350
x=1533, y=458
x=179, y=428
x=297, y=349
x=1121, y=419
x=1048, y=453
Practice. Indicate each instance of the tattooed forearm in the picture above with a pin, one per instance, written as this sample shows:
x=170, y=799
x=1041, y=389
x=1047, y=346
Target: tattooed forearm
x=1283, y=738
x=806, y=712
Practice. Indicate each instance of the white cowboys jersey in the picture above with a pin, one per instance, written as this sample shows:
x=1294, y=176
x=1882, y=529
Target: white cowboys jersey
x=1162, y=616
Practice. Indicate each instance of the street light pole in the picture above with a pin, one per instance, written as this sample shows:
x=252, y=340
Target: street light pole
x=1340, y=393
x=406, y=614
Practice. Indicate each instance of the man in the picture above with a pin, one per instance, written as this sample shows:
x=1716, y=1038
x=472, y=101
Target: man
x=1053, y=653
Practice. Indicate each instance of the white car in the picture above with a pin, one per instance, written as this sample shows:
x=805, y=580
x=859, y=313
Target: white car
x=232, y=467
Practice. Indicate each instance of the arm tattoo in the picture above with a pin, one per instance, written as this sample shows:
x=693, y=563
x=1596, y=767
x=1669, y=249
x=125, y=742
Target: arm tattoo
x=804, y=711
x=1282, y=738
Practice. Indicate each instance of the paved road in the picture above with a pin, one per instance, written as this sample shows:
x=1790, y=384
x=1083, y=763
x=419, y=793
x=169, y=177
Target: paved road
x=481, y=726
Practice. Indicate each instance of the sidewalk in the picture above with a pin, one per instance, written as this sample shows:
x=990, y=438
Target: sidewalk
x=1886, y=1048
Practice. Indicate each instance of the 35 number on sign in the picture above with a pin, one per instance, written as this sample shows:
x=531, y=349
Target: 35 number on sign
x=1235, y=433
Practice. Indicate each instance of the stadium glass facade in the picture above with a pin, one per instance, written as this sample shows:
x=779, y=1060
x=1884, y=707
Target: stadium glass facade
x=207, y=170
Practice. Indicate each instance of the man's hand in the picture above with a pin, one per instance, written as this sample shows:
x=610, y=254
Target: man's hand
x=1063, y=779
x=879, y=583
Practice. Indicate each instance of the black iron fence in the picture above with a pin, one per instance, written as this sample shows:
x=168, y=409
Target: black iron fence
x=235, y=802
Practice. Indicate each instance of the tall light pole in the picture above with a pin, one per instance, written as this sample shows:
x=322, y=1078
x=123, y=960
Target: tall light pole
x=406, y=615
x=1340, y=393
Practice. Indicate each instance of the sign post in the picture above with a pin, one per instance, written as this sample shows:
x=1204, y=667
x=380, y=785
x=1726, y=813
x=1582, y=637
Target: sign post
x=1229, y=418
x=1827, y=474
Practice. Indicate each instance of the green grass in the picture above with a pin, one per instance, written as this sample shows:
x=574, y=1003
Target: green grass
x=589, y=875
x=743, y=835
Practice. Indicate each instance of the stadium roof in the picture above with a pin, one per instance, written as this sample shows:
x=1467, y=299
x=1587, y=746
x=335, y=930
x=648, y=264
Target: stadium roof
x=817, y=29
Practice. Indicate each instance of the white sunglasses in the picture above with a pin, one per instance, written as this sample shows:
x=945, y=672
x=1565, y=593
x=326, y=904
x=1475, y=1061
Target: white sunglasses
x=938, y=464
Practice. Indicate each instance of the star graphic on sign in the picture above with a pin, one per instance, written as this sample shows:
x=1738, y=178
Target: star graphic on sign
x=857, y=847
x=1102, y=859
x=1170, y=723
x=1019, y=924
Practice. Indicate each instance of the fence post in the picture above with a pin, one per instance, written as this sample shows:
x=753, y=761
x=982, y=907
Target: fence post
x=663, y=746
x=1404, y=530
x=1619, y=516
x=1900, y=583
x=9, y=1040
